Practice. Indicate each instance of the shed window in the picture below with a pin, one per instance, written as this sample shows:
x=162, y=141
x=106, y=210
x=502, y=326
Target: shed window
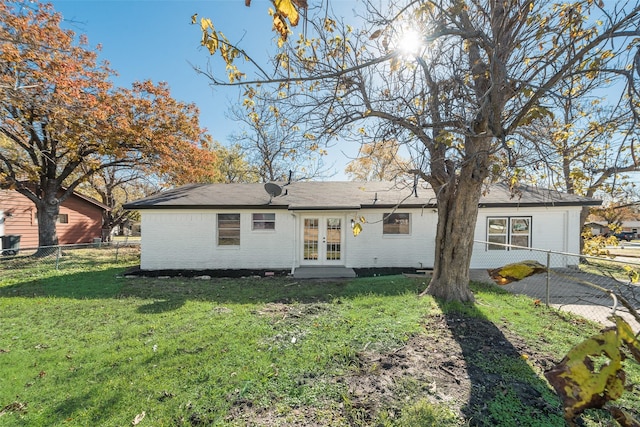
x=396, y=223
x=229, y=229
x=60, y=218
x=263, y=221
x=508, y=231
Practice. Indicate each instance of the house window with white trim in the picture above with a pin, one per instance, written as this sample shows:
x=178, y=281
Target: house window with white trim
x=508, y=231
x=229, y=229
x=263, y=221
x=396, y=223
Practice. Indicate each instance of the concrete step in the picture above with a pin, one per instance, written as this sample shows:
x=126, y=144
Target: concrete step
x=323, y=272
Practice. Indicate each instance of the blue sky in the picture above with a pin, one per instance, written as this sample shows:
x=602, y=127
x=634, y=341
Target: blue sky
x=154, y=39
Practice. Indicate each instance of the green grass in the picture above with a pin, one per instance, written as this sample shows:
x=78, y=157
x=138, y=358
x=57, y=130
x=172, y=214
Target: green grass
x=85, y=346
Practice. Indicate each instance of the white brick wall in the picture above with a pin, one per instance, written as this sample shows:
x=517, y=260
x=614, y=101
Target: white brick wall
x=186, y=239
x=177, y=239
x=373, y=249
x=556, y=229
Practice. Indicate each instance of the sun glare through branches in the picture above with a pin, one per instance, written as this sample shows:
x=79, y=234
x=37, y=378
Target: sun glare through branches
x=410, y=42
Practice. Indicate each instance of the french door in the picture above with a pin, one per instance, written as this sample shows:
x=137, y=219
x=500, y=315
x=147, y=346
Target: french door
x=322, y=238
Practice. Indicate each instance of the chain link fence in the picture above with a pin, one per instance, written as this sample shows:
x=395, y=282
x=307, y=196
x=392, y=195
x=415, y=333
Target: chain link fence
x=592, y=287
x=589, y=286
x=32, y=261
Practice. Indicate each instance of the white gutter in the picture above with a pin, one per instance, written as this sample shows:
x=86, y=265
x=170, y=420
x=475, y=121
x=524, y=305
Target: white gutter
x=295, y=243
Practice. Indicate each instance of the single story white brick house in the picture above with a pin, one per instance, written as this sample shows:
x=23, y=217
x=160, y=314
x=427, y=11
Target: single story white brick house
x=242, y=226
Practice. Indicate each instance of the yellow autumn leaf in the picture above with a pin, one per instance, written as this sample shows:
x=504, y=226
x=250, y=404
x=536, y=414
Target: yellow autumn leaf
x=287, y=9
x=574, y=378
x=206, y=24
x=591, y=373
x=634, y=276
x=281, y=28
x=606, y=54
x=516, y=271
x=210, y=41
x=628, y=337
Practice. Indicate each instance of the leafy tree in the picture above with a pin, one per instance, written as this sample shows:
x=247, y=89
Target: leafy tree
x=114, y=187
x=272, y=140
x=233, y=166
x=63, y=121
x=582, y=144
x=378, y=161
x=615, y=215
x=483, y=70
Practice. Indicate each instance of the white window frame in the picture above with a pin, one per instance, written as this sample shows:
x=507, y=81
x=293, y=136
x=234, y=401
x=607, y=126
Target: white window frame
x=264, y=221
x=388, y=216
x=510, y=235
x=221, y=240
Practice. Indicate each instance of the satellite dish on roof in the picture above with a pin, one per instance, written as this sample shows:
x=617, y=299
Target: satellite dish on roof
x=273, y=189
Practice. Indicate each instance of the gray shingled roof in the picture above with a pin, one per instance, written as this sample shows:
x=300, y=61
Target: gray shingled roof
x=326, y=195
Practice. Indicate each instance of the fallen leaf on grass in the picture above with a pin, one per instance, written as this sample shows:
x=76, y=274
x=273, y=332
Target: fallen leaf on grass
x=13, y=407
x=138, y=418
x=165, y=395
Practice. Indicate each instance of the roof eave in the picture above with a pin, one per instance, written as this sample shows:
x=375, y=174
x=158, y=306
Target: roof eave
x=539, y=205
x=324, y=208
x=134, y=207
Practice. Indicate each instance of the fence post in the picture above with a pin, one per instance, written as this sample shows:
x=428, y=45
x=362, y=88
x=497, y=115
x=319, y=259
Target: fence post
x=117, y=247
x=548, y=277
x=58, y=255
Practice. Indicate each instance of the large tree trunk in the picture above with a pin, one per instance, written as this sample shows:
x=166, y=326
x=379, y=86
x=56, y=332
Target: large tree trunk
x=584, y=214
x=457, y=217
x=48, y=210
x=458, y=196
x=108, y=223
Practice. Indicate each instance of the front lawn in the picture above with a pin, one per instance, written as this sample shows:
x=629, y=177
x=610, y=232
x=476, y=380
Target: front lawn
x=90, y=347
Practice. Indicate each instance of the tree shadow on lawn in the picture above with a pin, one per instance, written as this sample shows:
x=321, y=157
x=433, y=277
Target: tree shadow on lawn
x=504, y=387
x=171, y=293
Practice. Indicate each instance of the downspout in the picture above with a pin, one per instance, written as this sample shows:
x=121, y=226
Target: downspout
x=295, y=243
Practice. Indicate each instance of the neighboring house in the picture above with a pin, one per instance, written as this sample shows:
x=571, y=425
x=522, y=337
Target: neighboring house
x=241, y=226
x=597, y=227
x=631, y=226
x=128, y=228
x=601, y=227
x=79, y=221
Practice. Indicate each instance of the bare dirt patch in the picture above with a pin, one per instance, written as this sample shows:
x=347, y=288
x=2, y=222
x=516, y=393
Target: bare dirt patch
x=454, y=363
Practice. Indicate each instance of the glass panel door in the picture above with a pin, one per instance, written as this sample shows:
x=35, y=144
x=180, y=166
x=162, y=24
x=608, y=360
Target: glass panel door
x=310, y=244
x=333, y=239
x=322, y=240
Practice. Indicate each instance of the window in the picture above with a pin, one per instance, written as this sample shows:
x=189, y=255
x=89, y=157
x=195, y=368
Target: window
x=263, y=221
x=508, y=230
x=229, y=229
x=396, y=223
x=60, y=218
